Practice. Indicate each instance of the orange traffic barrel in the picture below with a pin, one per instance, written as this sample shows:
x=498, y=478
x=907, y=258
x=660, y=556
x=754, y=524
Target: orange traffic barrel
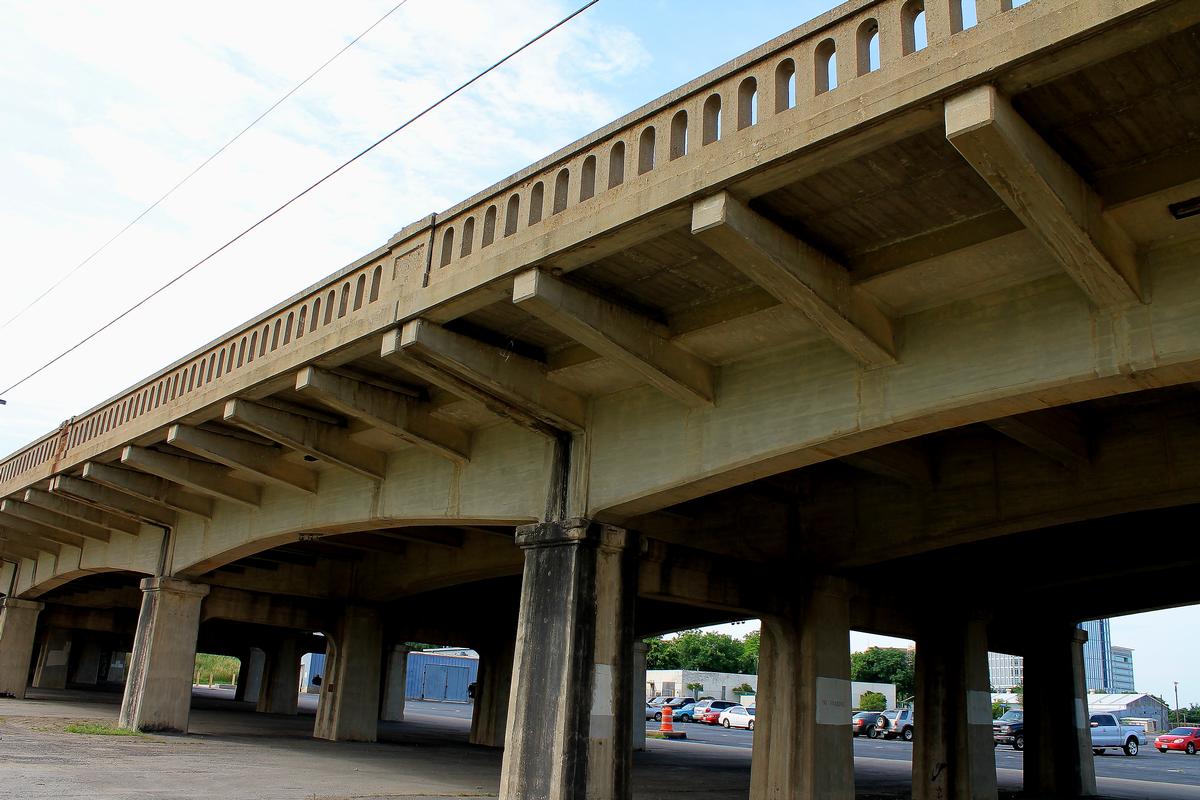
x=666, y=720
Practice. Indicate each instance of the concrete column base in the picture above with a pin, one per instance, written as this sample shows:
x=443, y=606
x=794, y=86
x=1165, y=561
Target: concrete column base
x=954, y=757
x=395, y=684
x=281, y=690
x=1058, y=737
x=18, y=626
x=637, y=700
x=802, y=749
x=54, y=660
x=489, y=717
x=158, y=684
x=348, y=710
x=568, y=734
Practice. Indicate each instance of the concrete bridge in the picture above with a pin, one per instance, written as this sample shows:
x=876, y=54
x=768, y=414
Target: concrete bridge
x=822, y=337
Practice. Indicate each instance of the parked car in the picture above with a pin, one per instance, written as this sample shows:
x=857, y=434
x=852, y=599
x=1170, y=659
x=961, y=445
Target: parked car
x=712, y=716
x=704, y=706
x=677, y=703
x=1010, y=729
x=651, y=711
x=1108, y=734
x=1183, y=740
x=897, y=724
x=737, y=717
x=685, y=713
x=657, y=701
x=867, y=723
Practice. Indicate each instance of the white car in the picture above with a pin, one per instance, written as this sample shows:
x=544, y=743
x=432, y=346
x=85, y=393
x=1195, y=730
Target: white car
x=737, y=717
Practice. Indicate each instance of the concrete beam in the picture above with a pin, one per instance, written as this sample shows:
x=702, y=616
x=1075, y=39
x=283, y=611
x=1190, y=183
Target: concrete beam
x=619, y=334
x=320, y=440
x=797, y=274
x=388, y=411
x=148, y=488
x=899, y=462
x=200, y=476
x=34, y=532
x=81, y=511
x=11, y=548
x=111, y=500
x=262, y=461
x=507, y=384
x=50, y=519
x=1056, y=433
x=1053, y=201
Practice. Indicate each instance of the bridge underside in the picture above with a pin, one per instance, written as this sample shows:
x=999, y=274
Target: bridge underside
x=834, y=371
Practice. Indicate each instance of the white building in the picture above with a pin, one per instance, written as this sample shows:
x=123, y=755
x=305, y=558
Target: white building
x=1122, y=673
x=720, y=686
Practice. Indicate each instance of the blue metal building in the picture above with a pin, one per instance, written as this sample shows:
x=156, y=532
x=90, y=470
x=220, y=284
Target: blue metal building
x=441, y=676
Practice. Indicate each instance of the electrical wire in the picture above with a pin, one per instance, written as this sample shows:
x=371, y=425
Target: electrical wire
x=296, y=197
x=202, y=165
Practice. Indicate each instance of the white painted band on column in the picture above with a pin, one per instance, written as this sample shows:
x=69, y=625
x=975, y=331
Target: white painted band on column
x=602, y=703
x=979, y=707
x=833, y=701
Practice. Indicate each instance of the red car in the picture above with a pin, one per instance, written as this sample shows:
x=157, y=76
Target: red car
x=712, y=716
x=1184, y=740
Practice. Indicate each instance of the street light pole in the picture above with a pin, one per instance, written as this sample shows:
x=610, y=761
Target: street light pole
x=1178, y=719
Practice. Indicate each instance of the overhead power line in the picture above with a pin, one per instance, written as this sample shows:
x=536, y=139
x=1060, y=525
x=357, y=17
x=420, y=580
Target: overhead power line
x=201, y=166
x=301, y=194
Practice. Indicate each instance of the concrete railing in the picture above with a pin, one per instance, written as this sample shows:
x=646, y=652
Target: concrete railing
x=788, y=75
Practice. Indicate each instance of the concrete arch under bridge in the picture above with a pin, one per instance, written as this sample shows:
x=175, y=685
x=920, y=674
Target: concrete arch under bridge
x=902, y=323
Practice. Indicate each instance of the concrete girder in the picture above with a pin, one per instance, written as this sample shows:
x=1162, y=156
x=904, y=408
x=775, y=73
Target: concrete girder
x=25, y=546
x=53, y=520
x=200, y=476
x=393, y=413
x=149, y=488
x=320, y=440
x=28, y=528
x=617, y=333
x=112, y=500
x=81, y=511
x=797, y=274
x=902, y=462
x=1053, y=200
x=262, y=461
x=507, y=384
x=1056, y=433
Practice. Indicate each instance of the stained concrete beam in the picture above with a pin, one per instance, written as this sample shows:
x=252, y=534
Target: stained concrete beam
x=148, y=487
x=112, y=500
x=262, y=461
x=320, y=440
x=798, y=275
x=1056, y=433
x=899, y=462
x=1053, y=200
x=388, y=411
x=200, y=476
x=34, y=534
x=54, y=521
x=509, y=385
x=81, y=511
x=619, y=334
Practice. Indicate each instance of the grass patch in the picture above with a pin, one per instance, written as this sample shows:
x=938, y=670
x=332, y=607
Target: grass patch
x=100, y=729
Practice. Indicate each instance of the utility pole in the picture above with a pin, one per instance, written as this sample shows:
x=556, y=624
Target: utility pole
x=1178, y=719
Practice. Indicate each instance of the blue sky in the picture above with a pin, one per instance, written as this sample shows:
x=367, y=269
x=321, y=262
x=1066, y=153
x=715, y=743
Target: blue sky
x=109, y=104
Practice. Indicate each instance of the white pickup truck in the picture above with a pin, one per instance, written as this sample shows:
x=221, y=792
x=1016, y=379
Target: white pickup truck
x=1108, y=734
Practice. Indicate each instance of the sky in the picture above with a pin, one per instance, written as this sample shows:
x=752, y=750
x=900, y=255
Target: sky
x=108, y=105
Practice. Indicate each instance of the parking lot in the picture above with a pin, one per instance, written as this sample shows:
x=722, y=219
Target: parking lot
x=236, y=754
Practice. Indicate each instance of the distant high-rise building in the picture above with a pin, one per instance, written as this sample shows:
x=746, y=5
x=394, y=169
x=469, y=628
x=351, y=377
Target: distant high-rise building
x=1122, y=659
x=1104, y=672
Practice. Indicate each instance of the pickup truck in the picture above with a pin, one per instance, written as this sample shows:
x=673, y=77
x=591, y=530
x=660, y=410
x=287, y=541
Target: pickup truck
x=1108, y=734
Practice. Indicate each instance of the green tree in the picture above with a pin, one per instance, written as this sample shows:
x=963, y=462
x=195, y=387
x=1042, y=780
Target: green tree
x=998, y=709
x=872, y=701
x=743, y=688
x=885, y=665
x=695, y=689
x=750, y=653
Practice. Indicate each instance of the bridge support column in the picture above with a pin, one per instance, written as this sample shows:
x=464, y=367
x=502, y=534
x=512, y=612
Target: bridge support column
x=87, y=662
x=348, y=710
x=801, y=748
x=18, y=625
x=54, y=658
x=158, y=683
x=395, y=684
x=281, y=687
x=954, y=756
x=250, y=675
x=637, y=697
x=489, y=718
x=1058, y=738
x=568, y=735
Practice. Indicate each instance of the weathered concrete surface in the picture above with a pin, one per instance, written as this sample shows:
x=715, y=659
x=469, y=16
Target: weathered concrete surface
x=395, y=678
x=54, y=659
x=18, y=626
x=158, y=687
x=349, y=704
